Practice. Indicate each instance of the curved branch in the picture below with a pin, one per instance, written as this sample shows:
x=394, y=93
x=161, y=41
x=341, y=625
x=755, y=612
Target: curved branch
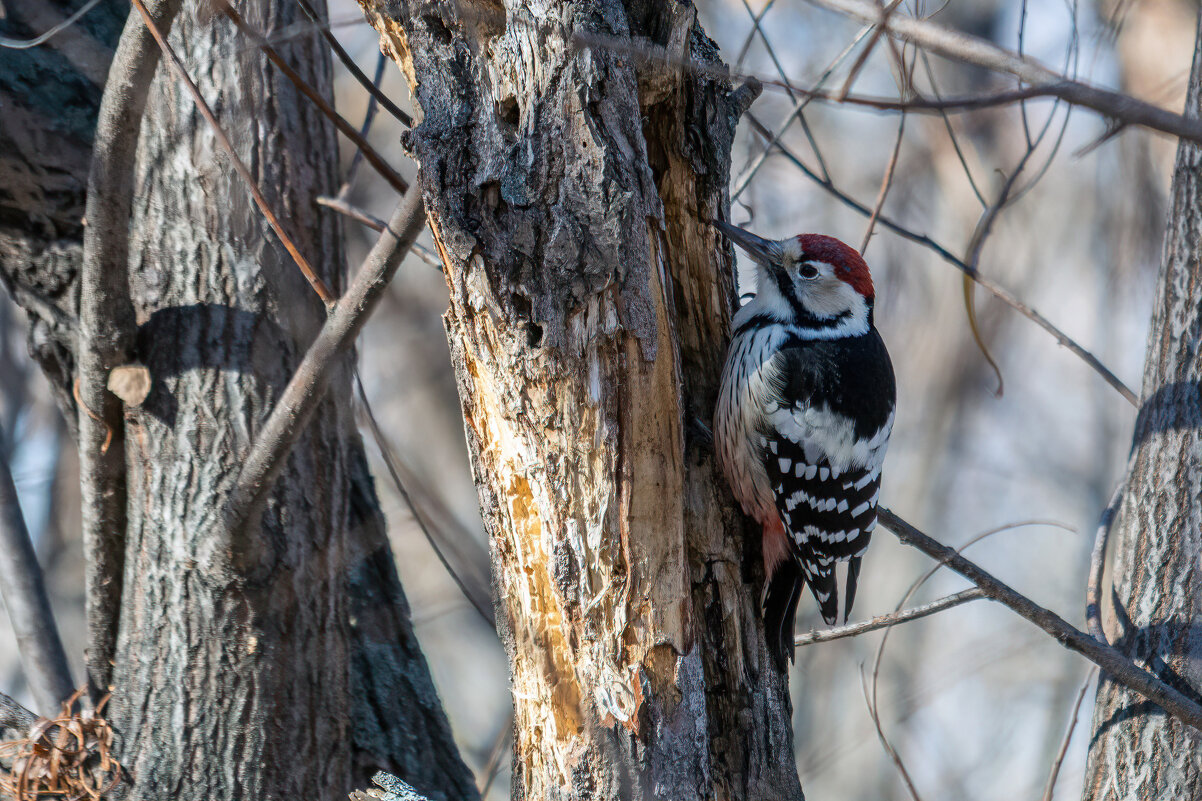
x=974, y=50
x=107, y=327
x=1118, y=668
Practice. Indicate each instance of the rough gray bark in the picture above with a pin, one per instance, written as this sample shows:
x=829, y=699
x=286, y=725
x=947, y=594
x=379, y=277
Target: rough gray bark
x=289, y=668
x=1155, y=603
x=569, y=192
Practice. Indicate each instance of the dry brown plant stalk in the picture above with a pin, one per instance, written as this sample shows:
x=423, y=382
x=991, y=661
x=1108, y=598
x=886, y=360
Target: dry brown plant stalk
x=68, y=757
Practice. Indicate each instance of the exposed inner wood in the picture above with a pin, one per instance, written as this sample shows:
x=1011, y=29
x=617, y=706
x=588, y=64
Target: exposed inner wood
x=569, y=191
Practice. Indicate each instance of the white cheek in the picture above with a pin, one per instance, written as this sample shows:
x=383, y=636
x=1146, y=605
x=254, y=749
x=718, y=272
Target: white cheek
x=828, y=297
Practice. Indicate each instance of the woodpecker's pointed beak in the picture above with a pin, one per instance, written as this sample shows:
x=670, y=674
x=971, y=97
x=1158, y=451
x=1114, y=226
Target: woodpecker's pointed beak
x=765, y=251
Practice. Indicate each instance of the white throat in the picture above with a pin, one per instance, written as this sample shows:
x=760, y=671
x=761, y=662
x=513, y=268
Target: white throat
x=841, y=304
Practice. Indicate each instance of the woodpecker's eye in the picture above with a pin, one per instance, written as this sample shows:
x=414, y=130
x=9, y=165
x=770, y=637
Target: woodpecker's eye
x=807, y=270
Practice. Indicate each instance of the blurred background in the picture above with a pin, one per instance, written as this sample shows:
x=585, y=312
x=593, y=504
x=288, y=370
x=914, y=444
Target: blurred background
x=975, y=700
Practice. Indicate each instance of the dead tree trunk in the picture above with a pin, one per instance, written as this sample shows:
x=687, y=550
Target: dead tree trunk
x=290, y=669
x=1137, y=752
x=569, y=181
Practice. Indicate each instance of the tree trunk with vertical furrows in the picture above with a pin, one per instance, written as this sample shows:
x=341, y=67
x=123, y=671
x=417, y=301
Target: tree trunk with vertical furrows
x=569, y=180
x=290, y=669
x=1155, y=601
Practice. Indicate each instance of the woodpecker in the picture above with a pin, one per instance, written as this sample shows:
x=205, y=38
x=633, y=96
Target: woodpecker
x=803, y=420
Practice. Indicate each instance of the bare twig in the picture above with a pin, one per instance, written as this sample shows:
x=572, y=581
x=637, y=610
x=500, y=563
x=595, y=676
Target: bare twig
x=976, y=243
x=344, y=127
x=177, y=67
x=871, y=699
x=303, y=393
x=369, y=116
x=886, y=621
x=755, y=18
x=878, y=29
x=15, y=717
x=780, y=70
x=1097, y=560
x=974, y=50
x=874, y=712
x=354, y=212
x=24, y=593
x=951, y=133
x=25, y=44
x=996, y=289
x=1110, y=104
x=494, y=758
x=352, y=67
x=886, y=183
x=375, y=223
x=107, y=328
x=1050, y=788
x=754, y=165
x=1118, y=667
x=476, y=595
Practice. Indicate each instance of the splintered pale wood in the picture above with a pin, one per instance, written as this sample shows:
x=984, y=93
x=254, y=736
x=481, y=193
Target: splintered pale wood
x=1151, y=611
x=569, y=192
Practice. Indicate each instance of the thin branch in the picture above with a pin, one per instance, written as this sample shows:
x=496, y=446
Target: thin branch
x=1050, y=788
x=1117, y=666
x=107, y=328
x=874, y=713
x=307, y=386
x=14, y=716
x=886, y=621
x=871, y=700
x=1022, y=107
x=886, y=183
x=494, y=758
x=972, y=258
x=753, y=167
x=878, y=29
x=352, y=67
x=996, y=289
x=951, y=133
x=1110, y=104
x=1097, y=560
x=780, y=70
x=26, y=44
x=344, y=127
x=976, y=243
x=376, y=224
x=177, y=67
x=369, y=116
x=975, y=50
x=354, y=212
x=479, y=600
x=24, y=593
x=755, y=18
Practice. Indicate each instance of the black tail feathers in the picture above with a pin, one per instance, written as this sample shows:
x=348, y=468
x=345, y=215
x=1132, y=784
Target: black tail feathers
x=826, y=591
x=849, y=594
x=780, y=605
